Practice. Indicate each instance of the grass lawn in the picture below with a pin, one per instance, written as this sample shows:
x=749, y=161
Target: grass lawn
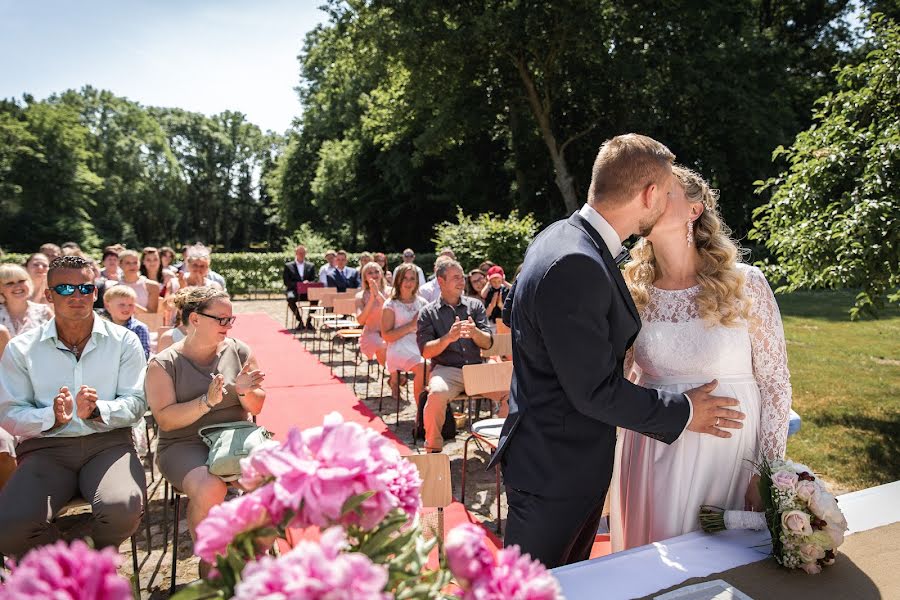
x=846, y=381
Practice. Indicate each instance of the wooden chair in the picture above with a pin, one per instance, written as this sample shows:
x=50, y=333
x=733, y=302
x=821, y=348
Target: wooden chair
x=436, y=490
x=486, y=378
x=153, y=321
x=502, y=346
x=346, y=327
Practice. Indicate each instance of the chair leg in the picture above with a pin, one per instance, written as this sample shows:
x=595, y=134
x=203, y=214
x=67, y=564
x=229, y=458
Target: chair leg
x=175, y=539
x=137, y=570
x=462, y=493
x=165, y=523
x=147, y=520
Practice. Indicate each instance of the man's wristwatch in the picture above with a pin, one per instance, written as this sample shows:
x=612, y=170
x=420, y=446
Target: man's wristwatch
x=95, y=414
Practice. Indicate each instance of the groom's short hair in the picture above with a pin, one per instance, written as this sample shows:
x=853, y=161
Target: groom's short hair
x=625, y=165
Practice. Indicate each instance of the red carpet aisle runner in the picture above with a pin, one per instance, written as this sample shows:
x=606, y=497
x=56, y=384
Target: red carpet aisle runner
x=300, y=391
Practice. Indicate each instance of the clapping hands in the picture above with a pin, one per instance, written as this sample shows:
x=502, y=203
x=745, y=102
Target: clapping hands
x=460, y=329
x=248, y=380
x=63, y=407
x=85, y=402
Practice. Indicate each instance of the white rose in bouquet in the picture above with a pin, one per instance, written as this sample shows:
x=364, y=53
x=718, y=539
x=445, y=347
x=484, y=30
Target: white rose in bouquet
x=806, y=489
x=796, y=522
x=785, y=481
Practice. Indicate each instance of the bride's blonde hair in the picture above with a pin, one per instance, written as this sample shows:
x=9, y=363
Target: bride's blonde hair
x=721, y=299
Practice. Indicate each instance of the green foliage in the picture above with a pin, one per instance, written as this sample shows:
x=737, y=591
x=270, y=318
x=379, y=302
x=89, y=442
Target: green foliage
x=315, y=242
x=503, y=241
x=832, y=218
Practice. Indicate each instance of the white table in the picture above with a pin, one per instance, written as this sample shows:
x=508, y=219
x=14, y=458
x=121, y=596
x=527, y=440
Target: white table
x=642, y=571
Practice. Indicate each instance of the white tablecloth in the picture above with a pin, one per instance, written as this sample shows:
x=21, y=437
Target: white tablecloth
x=641, y=571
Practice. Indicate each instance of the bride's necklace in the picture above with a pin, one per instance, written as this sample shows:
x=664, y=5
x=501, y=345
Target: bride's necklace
x=74, y=348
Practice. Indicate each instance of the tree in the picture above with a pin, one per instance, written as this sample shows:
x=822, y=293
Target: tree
x=833, y=217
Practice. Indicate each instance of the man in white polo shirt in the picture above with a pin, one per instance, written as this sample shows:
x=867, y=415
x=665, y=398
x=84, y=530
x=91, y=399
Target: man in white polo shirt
x=71, y=390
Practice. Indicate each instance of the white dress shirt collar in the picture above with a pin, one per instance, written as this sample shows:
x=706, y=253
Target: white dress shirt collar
x=606, y=231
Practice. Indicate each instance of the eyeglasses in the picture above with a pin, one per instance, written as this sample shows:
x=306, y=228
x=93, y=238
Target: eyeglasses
x=67, y=289
x=223, y=321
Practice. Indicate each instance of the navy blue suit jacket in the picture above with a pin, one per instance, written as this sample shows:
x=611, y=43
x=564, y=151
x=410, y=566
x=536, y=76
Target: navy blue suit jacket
x=572, y=320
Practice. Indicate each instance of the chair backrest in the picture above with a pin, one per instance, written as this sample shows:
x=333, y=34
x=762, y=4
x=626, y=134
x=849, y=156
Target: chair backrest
x=153, y=321
x=502, y=327
x=434, y=469
x=502, y=345
x=344, y=306
x=487, y=378
x=327, y=300
x=317, y=293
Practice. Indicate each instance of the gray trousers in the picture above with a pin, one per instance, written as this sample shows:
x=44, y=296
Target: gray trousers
x=102, y=468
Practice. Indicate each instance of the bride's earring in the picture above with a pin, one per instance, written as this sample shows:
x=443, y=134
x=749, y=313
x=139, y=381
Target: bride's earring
x=690, y=233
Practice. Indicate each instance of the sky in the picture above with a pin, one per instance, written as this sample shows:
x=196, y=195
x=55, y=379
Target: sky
x=200, y=55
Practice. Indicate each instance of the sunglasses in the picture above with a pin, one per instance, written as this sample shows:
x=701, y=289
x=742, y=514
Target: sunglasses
x=67, y=289
x=223, y=321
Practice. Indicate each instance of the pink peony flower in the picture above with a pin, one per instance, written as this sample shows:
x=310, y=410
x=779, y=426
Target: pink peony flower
x=316, y=471
x=67, y=573
x=311, y=571
x=784, y=481
x=468, y=556
x=515, y=575
x=227, y=520
x=796, y=522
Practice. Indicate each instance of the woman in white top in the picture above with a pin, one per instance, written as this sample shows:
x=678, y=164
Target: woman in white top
x=369, y=304
x=705, y=316
x=399, y=319
x=37, y=266
x=17, y=313
x=147, y=290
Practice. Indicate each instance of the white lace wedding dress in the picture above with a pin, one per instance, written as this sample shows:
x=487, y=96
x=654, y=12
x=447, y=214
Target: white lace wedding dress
x=656, y=488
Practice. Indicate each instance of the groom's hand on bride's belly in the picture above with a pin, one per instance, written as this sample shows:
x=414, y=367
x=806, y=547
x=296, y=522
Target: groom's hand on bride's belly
x=711, y=413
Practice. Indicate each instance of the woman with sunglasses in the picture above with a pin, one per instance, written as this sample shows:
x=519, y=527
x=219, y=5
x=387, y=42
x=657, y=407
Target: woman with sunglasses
x=204, y=379
x=17, y=313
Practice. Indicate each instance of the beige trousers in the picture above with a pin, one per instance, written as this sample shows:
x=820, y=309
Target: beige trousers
x=445, y=384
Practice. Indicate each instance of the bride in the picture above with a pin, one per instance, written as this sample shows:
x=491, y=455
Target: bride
x=705, y=316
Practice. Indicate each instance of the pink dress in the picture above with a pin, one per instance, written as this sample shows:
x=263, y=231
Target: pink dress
x=371, y=341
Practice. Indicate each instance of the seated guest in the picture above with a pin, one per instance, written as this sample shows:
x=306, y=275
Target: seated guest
x=51, y=251
x=205, y=379
x=4, y=338
x=408, y=257
x=494, y=294
x=341, y=276
x=213, y=275
x=381, y=259
x=167, y=257
x=451, y=332
x=110, y=261
x=369, y=304
x=17, y=313
x=364, y=259
x=297, y=271
x=431, y=291
x=146, y=290
x=70, y=248
x=329, y=263
x=7, y=456
x=152, y=268
x=197, y=270
x=70, y=390
x=119, y=304
x=199, y=249
x=37, y=265
x=173, y=335
x=398, y=327
x=485, y=266
x=475, y=282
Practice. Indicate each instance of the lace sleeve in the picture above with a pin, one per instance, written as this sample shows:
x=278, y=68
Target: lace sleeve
x=769, y=365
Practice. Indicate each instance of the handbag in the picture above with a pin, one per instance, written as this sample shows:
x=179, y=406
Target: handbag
x=229, y=443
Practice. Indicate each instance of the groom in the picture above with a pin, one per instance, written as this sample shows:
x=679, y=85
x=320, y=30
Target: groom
x=572, y=320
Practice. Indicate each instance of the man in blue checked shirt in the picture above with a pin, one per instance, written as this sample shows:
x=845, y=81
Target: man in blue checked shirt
x=71, y=390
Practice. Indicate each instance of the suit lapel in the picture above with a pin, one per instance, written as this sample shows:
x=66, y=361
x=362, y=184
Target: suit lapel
x=582, y=224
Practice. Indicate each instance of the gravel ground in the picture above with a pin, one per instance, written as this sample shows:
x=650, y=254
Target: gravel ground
x=155, y=566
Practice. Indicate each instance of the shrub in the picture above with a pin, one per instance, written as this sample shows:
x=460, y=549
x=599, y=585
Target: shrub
x=487, y=237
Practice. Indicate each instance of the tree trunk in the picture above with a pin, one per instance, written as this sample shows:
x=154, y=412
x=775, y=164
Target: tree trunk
x=541, y=111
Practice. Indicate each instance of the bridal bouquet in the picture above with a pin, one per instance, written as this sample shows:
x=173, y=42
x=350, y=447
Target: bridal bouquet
x=353, y=484
x=801, y=514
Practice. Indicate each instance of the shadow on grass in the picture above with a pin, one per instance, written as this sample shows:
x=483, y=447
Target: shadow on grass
x=828, y=305
x=881, y=445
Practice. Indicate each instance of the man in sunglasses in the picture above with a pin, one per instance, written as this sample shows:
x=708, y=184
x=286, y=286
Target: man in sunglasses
x=71, y=390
